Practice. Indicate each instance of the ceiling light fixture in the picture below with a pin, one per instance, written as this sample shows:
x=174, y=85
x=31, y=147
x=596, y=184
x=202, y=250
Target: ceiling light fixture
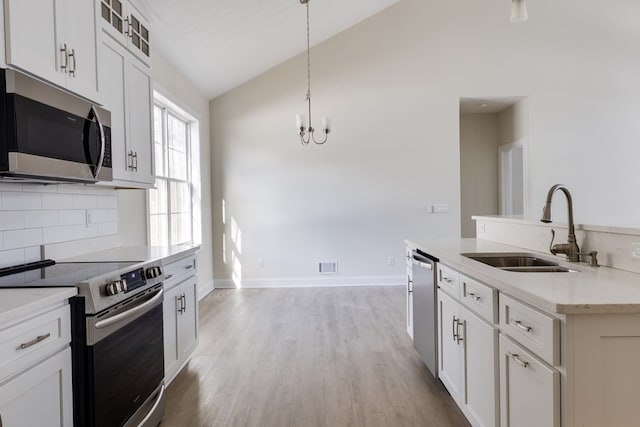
x=518, y=11
x=307, y=135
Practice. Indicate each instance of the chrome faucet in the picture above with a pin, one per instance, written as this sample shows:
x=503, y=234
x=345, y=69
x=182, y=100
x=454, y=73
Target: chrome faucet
x=570, y=249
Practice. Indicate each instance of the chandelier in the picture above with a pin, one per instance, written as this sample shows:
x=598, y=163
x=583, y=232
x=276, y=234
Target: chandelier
x=518, y=11
x=307, y=134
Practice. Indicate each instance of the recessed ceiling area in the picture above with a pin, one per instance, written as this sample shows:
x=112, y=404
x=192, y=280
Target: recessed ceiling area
x=488, y=105
x=220, y=44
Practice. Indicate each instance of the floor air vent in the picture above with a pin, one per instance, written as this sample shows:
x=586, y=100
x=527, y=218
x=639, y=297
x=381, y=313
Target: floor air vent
x=328, y=267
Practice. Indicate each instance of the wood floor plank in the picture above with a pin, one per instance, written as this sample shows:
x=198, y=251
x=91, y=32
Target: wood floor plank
x=307, y=357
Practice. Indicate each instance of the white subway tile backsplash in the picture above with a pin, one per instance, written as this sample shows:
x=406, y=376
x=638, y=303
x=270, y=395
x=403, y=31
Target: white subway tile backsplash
x=34, y=214
x=57, y=201
x=11, y=220
x=57, y=234
x=83, y=232
x=10, y=186
x=107, y=228
x=71, y=189
x=40, y=219
x=84, y=201
x=32, y=253
x=107, y=202
x=39, y=188
x=12, y=257
x=73, y=217
x=21, y=201
x=22, y=238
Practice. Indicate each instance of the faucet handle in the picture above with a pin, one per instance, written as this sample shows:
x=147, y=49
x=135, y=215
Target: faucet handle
x=553, y=236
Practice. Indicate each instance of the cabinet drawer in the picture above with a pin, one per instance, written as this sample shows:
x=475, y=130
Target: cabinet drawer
x=479, y=298
x=533, y=329
x=27, y=342
x=176, y=270
x=449, y=281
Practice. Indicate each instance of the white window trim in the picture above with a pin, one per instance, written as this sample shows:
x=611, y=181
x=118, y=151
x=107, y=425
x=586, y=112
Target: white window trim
x=165, y=103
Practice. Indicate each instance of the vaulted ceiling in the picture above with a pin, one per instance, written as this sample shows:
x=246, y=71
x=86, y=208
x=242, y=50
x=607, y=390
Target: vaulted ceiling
x=220, y=44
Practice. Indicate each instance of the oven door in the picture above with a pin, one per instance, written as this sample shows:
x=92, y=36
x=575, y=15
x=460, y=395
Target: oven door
x=126, y=355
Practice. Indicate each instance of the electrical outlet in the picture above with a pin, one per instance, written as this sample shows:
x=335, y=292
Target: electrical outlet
x=391, y=260
x=635, y=251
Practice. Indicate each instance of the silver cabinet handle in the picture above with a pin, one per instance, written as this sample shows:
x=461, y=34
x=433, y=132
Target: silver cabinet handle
x=473, y=296
x=409, y=283
x=135, y=159
x=33, y=342
x=518, y=360
x=179, y=303
x=454, y=328
x=446, y=279
x=187, y=267
x=65, y=56
x=522, y=326
x=458, y=334
x=168, y=276
x=72, y=68
x=184, y=303
x=127, y=31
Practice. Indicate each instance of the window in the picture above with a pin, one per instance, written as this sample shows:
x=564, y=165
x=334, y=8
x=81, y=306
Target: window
x=174, y=206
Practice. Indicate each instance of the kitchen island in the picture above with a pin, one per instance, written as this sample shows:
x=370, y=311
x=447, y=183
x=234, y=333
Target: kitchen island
x=561, y=349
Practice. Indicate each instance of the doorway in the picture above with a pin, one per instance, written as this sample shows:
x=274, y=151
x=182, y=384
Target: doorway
x=493, y=158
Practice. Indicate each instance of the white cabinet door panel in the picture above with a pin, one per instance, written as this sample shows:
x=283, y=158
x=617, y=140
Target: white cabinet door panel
x=529, y=392
x=80, y=36
x=32, y=40
x=450, y=355
x=40, y=396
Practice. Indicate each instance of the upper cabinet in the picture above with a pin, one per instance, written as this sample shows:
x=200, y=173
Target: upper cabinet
x=126, y=88
x=128, y=26
x=54, y=40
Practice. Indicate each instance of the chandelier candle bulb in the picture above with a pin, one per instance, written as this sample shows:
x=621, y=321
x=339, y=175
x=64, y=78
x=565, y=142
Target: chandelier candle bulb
x=301, y=121
x=518, y=11
x=326, y=124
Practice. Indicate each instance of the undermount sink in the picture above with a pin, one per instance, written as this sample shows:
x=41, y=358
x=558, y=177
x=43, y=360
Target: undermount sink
x=518, y=262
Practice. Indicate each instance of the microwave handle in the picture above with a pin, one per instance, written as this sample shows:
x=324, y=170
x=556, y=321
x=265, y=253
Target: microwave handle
x=98, y=166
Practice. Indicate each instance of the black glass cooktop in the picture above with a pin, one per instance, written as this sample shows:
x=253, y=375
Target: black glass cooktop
x=50, y=274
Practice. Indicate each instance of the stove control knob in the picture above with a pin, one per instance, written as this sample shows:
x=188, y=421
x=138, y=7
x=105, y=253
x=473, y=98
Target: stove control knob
x=116, y=287
x=153, y=272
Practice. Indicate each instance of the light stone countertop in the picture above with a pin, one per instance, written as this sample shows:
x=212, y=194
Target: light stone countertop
x=134, y=253
x=589, y=291
x=19, y=303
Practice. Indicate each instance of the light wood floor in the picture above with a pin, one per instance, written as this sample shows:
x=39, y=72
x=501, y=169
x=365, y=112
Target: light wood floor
x=307, y=357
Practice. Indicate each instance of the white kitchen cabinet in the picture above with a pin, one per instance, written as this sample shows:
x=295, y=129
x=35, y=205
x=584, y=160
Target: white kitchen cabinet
x=529, y=389
x=126, y=90
x=480, y=398
x=409, y=293
x=449, y=339
x=35, y=368
x=180, y=314
x=125, y=23
x=39, y=396
x=54, y=40
x=467, y=346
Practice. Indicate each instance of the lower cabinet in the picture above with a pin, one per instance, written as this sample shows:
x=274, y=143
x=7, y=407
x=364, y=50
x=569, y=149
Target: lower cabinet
x=529, y=389
x=468, y=366
x=39, y=396
x=180, y=324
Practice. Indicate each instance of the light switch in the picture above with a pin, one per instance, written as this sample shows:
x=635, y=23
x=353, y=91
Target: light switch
x=440, y=208
x=635, y=250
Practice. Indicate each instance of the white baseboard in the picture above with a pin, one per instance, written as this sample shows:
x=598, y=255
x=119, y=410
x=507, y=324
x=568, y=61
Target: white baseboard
x=205, y=289
x=310, y=282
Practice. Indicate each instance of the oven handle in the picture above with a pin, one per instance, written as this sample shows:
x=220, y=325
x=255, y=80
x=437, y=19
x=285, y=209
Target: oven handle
x=154, y=408
x=131, y=312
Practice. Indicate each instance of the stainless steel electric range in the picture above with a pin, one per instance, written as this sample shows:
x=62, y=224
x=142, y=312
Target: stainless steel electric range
x=117, y=337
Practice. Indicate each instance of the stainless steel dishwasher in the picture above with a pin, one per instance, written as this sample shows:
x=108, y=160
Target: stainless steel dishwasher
x=425, y=338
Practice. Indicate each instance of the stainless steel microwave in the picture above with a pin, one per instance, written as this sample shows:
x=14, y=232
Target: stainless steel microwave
x=48, y=135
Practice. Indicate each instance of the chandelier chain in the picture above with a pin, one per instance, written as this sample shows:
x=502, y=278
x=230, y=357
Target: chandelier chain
x=308, y=57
